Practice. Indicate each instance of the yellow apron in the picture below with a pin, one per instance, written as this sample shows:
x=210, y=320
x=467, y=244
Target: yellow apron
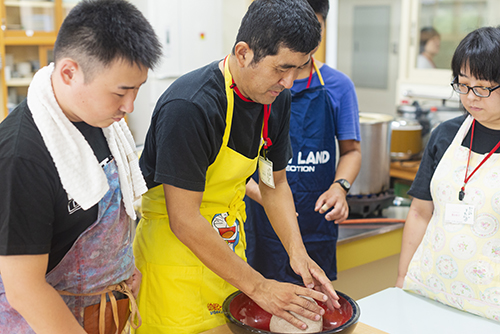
x=179, y=294
x=459, y=264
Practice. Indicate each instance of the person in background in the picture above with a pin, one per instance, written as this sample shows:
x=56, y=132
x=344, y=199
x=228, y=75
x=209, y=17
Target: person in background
x=203, y=144
x=70, y=174
x=324, y=108
x=430, y=43
x=451, y=239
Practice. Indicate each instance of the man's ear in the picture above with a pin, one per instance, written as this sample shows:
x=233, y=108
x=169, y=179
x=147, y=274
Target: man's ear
x=68, y=70
x=243, y=54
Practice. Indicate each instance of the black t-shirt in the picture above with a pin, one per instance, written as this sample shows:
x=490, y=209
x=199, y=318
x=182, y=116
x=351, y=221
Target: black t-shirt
x=188, y=124
x=36, y=216
x=484, y=141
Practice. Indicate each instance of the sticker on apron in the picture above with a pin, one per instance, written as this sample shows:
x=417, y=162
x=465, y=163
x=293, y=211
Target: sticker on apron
x=459, y=214
x=230, y=234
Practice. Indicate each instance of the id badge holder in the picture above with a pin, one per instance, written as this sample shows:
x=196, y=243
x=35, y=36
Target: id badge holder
x=266, y=170
x=459, y=214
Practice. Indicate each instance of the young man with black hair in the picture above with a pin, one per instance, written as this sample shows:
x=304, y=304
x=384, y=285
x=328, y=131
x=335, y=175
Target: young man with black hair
x=68, y=175
x=208, y=131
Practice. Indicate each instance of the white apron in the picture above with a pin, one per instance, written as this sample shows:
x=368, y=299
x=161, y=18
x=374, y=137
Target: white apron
x=459, y=264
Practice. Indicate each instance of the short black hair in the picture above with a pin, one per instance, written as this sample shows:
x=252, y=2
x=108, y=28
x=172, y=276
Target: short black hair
x=269, y=25
x=97, y=32
x=479, y=51
x=320, y=7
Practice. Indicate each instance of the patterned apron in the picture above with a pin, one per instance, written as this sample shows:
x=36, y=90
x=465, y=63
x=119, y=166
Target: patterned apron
x=179, y=294
x=100, y=257
x=310, y=173
x=459, y=264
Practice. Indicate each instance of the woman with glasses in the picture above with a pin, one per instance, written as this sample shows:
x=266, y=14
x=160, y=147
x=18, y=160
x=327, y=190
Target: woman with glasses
x=451, y=241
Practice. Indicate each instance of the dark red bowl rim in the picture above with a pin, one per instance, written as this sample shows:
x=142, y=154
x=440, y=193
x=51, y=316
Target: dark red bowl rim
x=356, y=312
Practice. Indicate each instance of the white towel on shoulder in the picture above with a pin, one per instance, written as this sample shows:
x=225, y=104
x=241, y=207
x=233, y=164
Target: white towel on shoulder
x=81, y=175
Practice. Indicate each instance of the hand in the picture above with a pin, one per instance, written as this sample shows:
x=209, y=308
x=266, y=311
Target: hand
x=314, y=278
x=334, y=197
x=281, y=298
x=400, y=281
x=134, y=282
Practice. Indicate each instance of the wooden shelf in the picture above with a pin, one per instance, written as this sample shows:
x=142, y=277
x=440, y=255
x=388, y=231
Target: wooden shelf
x=18, y=82
x=27, y=3
x=27, y=45
x=19, y=37
x=405, y=170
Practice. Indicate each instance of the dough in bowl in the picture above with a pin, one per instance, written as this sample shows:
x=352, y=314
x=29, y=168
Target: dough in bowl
x=280, y=325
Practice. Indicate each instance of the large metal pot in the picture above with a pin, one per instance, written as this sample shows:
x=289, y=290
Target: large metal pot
x=373, y=177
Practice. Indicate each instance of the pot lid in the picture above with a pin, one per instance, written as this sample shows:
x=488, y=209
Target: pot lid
x=373, y=118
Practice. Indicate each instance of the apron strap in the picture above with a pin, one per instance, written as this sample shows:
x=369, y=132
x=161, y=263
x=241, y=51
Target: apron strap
x=229, y=86
x=135, y=317
x=315, y=67
x=228, y=81
x=320, y=77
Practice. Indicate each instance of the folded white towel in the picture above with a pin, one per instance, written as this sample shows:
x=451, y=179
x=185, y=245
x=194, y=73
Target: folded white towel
x=81, y=175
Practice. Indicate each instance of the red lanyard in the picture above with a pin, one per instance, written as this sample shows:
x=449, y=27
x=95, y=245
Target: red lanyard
x=310, y=73
x=237, y=90
x=267, y=113
x=461, y=194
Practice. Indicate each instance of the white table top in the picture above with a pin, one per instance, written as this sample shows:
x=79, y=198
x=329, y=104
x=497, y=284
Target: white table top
x=399, y=312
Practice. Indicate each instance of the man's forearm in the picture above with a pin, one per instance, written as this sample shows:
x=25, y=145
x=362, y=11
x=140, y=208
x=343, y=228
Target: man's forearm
x=44, y=310
x=252, y=190
x=280, y=209
x=28, y=293
x=349, y=166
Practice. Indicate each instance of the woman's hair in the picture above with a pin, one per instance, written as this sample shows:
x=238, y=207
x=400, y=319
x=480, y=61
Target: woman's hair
x=97, y=32
x=426, y=34
x=269, y=25
x=479, y=51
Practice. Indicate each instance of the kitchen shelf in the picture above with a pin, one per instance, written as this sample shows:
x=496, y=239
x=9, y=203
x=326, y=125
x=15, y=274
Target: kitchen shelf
x=28, y=34
x=21, y=37
x=18, y=82
x=33, y=4
x=405, y=170
x=30, y=15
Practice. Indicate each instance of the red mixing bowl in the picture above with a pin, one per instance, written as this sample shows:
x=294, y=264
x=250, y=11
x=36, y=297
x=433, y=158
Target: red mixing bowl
x=251, y=318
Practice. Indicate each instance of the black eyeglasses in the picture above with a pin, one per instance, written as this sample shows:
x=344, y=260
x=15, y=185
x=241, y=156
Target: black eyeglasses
x=478, y=90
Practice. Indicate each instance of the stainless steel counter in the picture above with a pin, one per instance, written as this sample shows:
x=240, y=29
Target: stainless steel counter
x=349, y=233
x=352, y=232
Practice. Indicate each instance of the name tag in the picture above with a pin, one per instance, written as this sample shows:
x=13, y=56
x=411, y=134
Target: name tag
x=459, y=214
x=266, y=171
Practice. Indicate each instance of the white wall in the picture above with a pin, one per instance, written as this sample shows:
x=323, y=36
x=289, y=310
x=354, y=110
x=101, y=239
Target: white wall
x=332, y=34
x=139, y=120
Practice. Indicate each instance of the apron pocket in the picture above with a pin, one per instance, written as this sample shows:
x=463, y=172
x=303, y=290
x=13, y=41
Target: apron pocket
x=172, y=295
x=91, y=317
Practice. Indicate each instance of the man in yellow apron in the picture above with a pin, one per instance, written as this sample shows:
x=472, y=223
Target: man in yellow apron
x=208, y=131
